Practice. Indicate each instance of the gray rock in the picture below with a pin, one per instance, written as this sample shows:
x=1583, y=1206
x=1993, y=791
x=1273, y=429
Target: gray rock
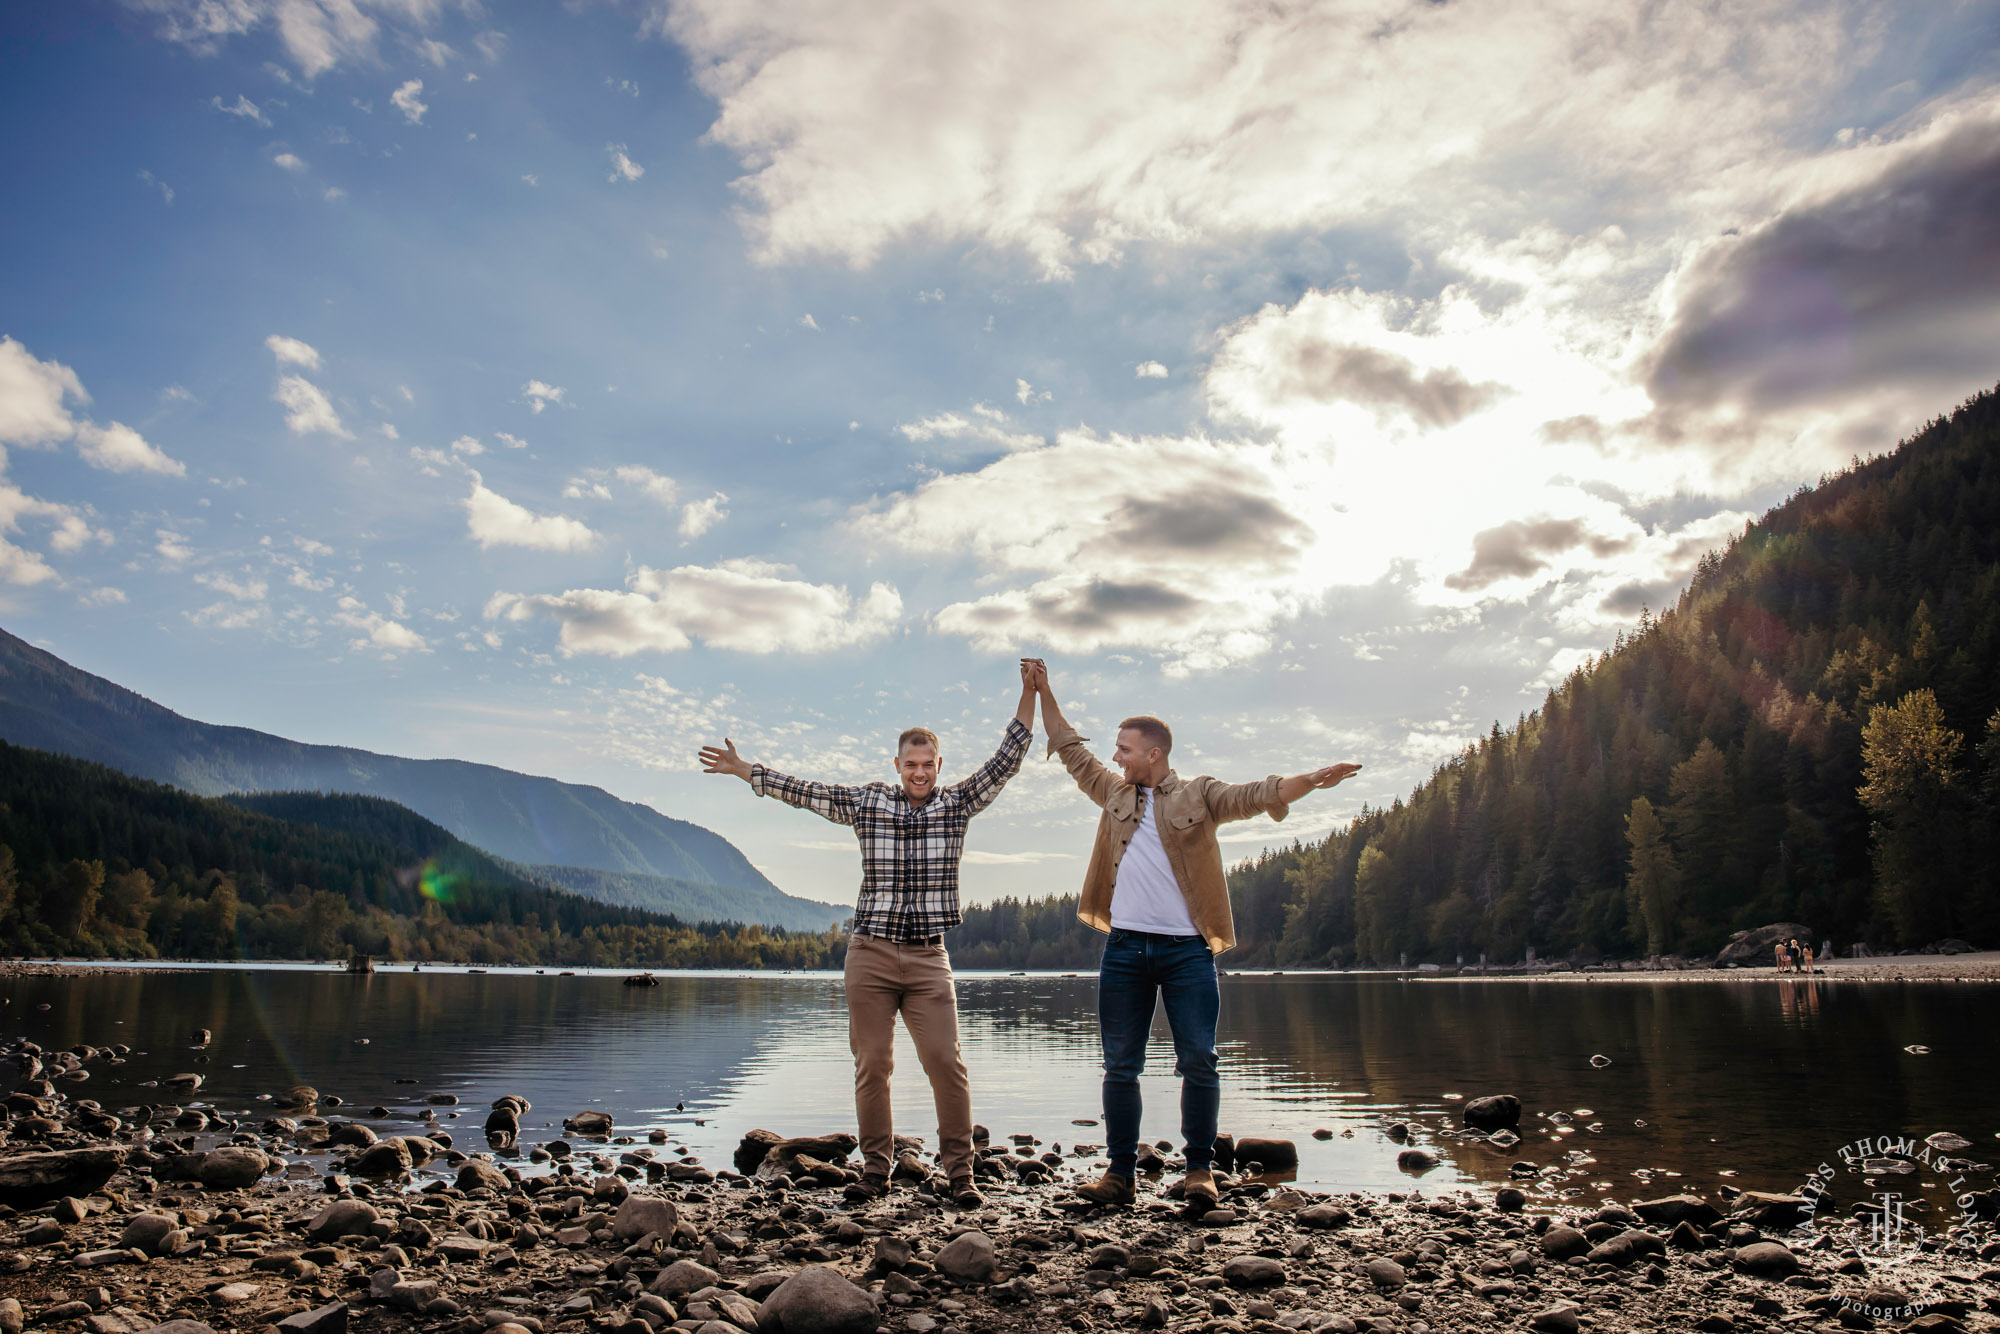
x=414, y=1294
x=1385, y=1273
x=589, y=1123
x=11, y=1316
x=118, y=1320
x=1250, y=1271
x=1556, y=1320
x=331, y=1319
x=1626, y=1247
x=152, y=1233
x=682, y=1277
x=1509, y=1200
x=342, y=1218
x=1498, y=1111
x=817, y=1300
x=967, y=1258
x=1777, y=1212
x=181, y=1327
x=891, y=1253
x=1766, y=1259
x=1273, y=1155
x=233, y=1167
x=461, y=1247
x=99, y=1259
x=1416, y=1160
x=641, y=1214
x=1561, y=1242
x=1323, y=1216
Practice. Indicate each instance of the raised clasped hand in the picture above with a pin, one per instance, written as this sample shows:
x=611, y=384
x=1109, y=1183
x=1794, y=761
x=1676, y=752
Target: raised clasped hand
x=1333, y=774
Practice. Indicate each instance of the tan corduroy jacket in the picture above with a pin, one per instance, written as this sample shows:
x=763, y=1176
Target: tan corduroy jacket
x=1189, y=811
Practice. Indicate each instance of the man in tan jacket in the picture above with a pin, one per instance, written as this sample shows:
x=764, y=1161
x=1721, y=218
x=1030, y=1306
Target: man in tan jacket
x=1155, y=885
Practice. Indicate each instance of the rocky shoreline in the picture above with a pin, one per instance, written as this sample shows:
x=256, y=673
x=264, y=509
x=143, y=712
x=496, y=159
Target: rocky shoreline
x=184, y=1218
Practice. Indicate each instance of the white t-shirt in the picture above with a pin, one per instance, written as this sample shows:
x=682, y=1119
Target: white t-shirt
x=1147, y=897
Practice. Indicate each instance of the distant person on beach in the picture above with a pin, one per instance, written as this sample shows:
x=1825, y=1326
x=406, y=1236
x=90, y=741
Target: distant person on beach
x=1781, y=957
x=1805, y=958
x=1155, y=886
x=912, y=834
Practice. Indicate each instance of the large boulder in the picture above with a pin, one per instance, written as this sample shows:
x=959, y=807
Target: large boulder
x=384, y=1158
x=1269, y=1155
x=682, y=1277
x=1766, y=1259
x=343, y=1218
x=1562, y=1241
x=477, y=1173
x=31, y=1179
x=1498, y=1111
x=759, y=1145
x=1749, y=948
x=155, y=1234
x=1775, y=1212
x=817, y=1300
x=968, y=1258
x=643, y=1214
x=1670, y=1210
x=233, y=1167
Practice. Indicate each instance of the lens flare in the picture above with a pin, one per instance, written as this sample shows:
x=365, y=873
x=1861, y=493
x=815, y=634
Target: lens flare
x=438, y=884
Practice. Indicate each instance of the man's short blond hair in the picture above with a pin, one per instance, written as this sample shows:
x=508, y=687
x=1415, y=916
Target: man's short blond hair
x=921, y=736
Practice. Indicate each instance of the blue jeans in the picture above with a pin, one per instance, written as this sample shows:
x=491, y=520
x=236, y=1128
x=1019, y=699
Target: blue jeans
x=1137, y=968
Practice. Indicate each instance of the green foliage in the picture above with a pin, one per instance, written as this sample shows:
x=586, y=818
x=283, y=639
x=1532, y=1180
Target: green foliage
x=95, y=863
x=1739, y=718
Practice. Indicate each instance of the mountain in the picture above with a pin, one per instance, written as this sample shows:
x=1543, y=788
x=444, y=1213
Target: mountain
x=47, y=704
x=95, y=862
x=690, y=900
x=1810, y=734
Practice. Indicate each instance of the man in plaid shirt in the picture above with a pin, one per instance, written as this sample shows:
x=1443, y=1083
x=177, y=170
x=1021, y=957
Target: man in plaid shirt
x=911, y=835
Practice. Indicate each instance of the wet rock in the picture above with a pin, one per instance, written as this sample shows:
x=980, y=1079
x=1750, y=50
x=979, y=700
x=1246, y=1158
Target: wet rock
x=1626, y=1247
x=682, y=1277
x=233, y=1167
x=1416, y=1160
x=1685, y=1237
x=1672, y=1210
x=589, y=1123
x=422, y=1148
x=31, y=1179
x=1562, y=1241
x=641, y=1214
x=298, y=1096
x=1272, y=1155
x=1498, y=1111
x=343, y=1218
x=1251, y=1271
x=892, y=1254
x=1765, y=1259
x=967, y=1258
x=1509, y=1200
x=1775, y=1212
x=817, y=1300
x=384, y=1158
x=478, y=1174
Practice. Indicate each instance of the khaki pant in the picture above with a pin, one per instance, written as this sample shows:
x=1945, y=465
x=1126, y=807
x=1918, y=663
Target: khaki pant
x=883, y=978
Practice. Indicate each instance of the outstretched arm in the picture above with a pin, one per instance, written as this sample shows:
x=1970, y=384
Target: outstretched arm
x=827, y=800
x=1291, y=789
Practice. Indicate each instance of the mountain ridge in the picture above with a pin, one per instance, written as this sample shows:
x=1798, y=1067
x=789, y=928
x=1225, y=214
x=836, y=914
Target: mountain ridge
x=532, y=821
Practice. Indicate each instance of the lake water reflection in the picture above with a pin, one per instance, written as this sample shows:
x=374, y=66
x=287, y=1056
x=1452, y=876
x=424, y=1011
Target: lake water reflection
x=1758, y=1080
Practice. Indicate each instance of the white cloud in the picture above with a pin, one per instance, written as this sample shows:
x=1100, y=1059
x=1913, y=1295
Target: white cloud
x=249, y=588
x=119, y=448
x=1224, y=541
x=654, y=486
x=1150, y=370
x=409, y=100
x=1199, y=122
x=623, y=168
x=376, y=631
x=1027, y=395
x=698, y=516
x=104, y=596
x=467, y=446
x=243, y=107
x=746, y=606
x=540, y=395
x=951, y=426
x=230, y=615
x=33, y=395
x=166, y=191
x=292, y=352
x=306, y=408
x=806, y=321
x=289, y=161
x=334, y=192
x=531, y=178
x=172, y=547
x=317, y=35
x=511, y=441
x=495, y=521
x=34, y=398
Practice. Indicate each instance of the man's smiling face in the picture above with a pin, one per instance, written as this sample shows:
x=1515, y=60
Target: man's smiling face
x=917, y=768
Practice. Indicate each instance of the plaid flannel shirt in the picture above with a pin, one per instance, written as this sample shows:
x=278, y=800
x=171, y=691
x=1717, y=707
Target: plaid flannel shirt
x=909, y=854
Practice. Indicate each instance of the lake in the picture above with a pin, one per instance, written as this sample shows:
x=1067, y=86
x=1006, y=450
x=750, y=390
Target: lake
x=1755, y=1081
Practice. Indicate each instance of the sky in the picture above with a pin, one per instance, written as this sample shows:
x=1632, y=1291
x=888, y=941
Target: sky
x=566, y=386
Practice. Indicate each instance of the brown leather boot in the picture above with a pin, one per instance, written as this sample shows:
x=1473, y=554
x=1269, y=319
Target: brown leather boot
x=1198, y=1188
x=1109, y=1189
x=964, y=1194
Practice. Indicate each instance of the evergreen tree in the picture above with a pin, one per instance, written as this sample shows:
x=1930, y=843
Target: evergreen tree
x=1909, y=766
x=1654, y=885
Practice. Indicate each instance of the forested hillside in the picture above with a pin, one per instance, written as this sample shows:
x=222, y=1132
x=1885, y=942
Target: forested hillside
x=1811, y=734
x=93, y=862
